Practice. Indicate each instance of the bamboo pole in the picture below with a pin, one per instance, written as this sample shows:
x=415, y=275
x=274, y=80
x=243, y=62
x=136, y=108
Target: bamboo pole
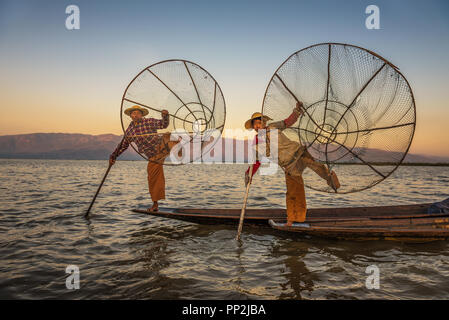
x=86, y=215
x=245, y=199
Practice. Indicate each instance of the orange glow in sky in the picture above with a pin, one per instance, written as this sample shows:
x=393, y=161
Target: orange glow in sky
x=56, y=80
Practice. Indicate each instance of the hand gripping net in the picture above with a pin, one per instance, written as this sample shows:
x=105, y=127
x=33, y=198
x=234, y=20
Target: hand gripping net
x=359, y=115
x=192, y=97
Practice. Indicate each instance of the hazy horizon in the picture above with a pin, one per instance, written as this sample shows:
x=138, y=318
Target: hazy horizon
x=223, y=136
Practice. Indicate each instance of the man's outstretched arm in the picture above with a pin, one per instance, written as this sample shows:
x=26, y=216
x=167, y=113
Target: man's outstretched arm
x=291, y=119
x=297, y=111
x=122, y=146
x=152, y=124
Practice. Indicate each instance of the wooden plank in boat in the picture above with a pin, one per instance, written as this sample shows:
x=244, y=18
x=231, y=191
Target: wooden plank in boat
x=315, y=212
x=261, y=215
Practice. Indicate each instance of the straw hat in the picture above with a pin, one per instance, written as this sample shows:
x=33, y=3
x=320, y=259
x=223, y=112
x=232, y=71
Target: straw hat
x=248, y=123
x=133, y=108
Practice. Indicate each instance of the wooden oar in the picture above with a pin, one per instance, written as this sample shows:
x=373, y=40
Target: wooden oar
x=242, y=214
x=98, y=191
x=101, y=184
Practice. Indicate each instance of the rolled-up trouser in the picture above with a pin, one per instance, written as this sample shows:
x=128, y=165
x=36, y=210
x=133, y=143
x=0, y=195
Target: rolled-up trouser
x=295, y=197
x=297, y=167
x=156, y=181
x=155, y=169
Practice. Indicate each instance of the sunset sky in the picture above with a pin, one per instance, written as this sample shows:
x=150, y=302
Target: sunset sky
x=56, y=80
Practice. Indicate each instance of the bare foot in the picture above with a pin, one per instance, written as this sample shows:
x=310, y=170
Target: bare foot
x=289, y=223
x=154, y=208
x=333, y=181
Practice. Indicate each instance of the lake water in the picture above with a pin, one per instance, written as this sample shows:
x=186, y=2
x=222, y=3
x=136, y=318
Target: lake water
x=121, y=254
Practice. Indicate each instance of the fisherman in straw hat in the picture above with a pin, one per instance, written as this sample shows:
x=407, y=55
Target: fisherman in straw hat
x=293, y=158
x=143, y=132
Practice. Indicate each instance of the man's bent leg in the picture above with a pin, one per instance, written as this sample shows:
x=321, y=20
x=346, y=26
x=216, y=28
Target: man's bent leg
x=156, y=181
x=295, y=198
x=169, y=144
x=321, y=170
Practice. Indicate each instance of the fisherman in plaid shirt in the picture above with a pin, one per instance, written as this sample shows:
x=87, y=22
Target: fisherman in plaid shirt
x=143, y=132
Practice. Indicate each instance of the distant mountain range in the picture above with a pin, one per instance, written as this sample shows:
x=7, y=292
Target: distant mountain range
x=97, y=147
x=62, y=146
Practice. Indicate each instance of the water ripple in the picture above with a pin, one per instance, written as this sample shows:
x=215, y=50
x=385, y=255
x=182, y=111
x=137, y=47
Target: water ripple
x=123, y=255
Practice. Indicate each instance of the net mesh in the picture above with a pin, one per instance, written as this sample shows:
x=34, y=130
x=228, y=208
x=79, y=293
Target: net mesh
x=359, y=112
x=191, y=96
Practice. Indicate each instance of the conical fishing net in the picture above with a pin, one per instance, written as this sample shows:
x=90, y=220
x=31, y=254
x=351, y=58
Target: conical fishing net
x=191, y=96
x=359, y=115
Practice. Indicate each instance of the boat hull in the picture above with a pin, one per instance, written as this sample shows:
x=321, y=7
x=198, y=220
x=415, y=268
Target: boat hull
x=412, y=229
x=403, y=222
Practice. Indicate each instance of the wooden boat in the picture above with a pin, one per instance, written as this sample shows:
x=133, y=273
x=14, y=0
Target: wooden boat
x=414, y=228
x=402, y=222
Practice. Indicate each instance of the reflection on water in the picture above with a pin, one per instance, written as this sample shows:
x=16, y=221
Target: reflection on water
x=122, y=254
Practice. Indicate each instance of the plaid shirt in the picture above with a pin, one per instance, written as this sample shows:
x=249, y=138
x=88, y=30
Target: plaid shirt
x=142, y=133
